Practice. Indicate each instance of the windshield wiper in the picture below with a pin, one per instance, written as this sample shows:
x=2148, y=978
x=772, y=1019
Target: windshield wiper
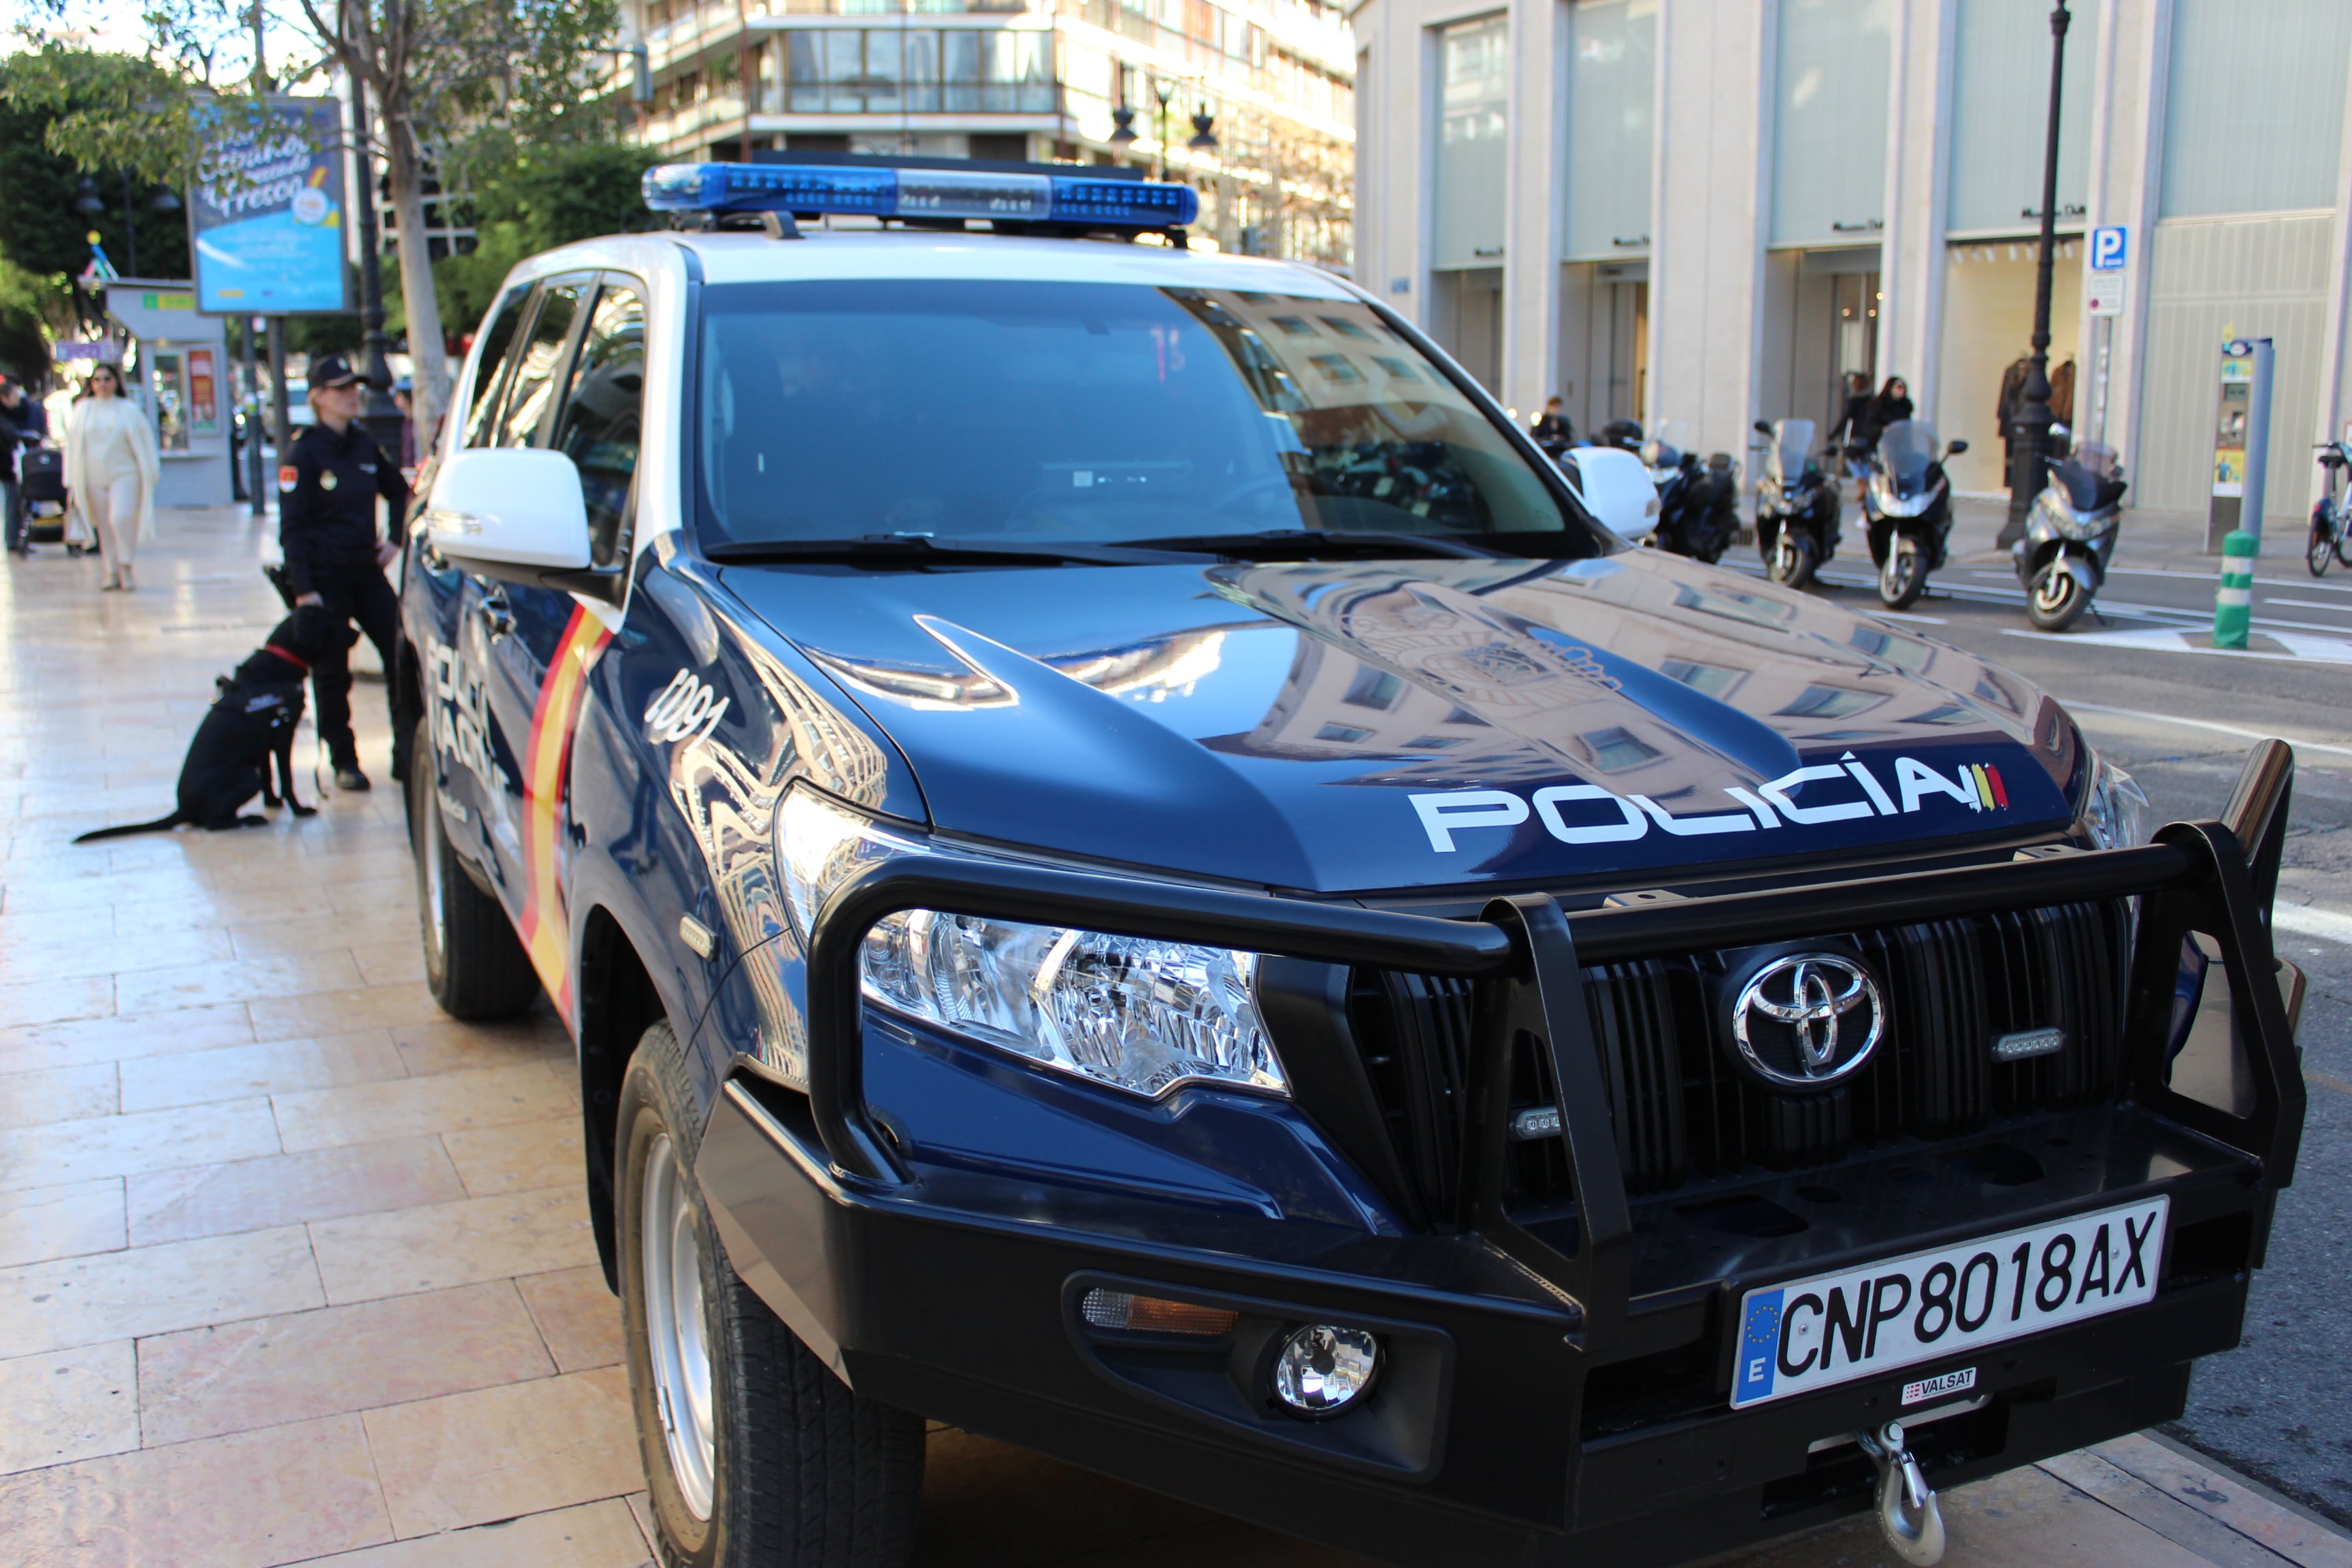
x=1308, y=543
x=924, y=550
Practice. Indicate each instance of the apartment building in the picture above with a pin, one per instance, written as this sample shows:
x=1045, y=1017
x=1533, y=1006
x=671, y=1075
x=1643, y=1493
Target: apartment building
x=1250, y=100
x=1712, y=211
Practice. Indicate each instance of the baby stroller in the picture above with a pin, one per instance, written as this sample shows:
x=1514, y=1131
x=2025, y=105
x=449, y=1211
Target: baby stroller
x=41, y=496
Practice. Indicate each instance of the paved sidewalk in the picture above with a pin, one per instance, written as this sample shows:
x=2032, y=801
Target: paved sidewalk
x=293, y=1269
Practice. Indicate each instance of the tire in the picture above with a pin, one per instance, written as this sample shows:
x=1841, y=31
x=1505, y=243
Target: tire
x=2055, y=599
x=762, y=1457
x=1903, y=576
x=1792, y=564
x=473, y=965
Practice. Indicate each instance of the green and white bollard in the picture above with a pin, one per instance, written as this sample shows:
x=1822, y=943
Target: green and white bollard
x=2233, y=602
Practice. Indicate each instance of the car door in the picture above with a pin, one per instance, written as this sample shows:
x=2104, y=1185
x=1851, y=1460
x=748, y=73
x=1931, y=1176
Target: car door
x=590, y=404
x=447, y=603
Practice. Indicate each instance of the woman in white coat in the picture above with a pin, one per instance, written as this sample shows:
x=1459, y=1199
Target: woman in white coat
x=110, y=470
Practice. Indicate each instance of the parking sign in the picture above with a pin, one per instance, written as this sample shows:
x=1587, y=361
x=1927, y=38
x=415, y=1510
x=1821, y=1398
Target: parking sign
x=2107, y=250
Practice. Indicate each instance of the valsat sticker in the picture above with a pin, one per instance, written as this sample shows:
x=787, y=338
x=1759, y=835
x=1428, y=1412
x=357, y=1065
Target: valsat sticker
x=1587, y=814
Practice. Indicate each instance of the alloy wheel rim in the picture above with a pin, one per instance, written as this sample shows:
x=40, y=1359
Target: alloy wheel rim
x=2052, y=589
x=436, y=891
x=678, y=1327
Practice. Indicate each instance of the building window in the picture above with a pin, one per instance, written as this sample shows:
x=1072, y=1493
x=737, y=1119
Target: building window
x=1611, y=82
x=1474, y=101
x=1374, y=688
x=1615, y=749
x=1710, y=679
x=920, y=70
x=2000, y=105
x=1829, y=146
x=1828, y=702
x=2254, y=112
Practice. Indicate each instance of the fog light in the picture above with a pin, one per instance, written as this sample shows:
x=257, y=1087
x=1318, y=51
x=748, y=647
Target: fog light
x=1322, y=1369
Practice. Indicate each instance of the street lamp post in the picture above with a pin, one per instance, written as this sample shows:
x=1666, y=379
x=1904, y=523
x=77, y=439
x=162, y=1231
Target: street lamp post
x=380, y=415
x=2030, y=431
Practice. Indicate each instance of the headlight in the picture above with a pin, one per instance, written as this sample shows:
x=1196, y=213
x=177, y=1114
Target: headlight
x=2051, y=508
x=2116, y=811
x=1134, y=1013
x=1889, y=504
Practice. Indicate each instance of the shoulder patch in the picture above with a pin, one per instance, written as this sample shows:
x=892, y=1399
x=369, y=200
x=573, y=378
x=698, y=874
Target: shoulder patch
x=288, y=476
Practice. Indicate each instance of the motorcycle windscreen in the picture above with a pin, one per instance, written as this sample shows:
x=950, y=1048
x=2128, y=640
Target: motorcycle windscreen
x=2091, y=477
x=1792, y=442
x=1668, y=440
x=1906, y=451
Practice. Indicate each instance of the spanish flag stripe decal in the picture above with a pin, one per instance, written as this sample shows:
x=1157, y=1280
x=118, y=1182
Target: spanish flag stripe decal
x=1998, y=793
x=545, y=928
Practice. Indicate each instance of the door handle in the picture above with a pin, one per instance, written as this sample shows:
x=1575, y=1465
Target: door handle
x=498, y=615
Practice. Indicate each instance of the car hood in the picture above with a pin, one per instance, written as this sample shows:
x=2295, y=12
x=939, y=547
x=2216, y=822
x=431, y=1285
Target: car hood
x=1355, y=727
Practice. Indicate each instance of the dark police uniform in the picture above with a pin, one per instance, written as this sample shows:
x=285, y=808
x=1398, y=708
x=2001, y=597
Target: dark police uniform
x=326, y=528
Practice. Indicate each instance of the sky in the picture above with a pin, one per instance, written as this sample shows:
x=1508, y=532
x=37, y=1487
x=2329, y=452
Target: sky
x=118, y=25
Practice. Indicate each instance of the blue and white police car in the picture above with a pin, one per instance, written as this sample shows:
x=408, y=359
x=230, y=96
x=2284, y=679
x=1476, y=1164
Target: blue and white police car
x=1134, y=870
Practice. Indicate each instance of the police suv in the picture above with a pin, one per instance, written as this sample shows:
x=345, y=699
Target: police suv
x=1134, y=870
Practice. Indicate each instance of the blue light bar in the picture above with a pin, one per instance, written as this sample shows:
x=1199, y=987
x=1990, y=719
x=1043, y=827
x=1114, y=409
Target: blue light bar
x=1073, y=201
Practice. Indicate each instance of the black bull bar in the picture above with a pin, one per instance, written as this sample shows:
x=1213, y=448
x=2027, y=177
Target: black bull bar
x=1526, y=953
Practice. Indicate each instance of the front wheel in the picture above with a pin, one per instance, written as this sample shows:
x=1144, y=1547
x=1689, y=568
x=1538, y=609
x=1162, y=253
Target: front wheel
x=2055, y=599
x=474, y=965
x=1903, y=576
x=2324, y=545
x=1794, y=559
x=756, y=1455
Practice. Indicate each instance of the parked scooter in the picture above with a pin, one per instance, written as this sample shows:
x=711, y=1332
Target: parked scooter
x=1698, y=506
x=1796, y=505
x=2070, y=536
x=2331, y=514
x=1906, y=509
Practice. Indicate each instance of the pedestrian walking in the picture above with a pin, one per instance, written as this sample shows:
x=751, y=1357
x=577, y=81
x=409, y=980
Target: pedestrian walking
x=1891, y=406
x=110, y=471
x=24, y=423
x=327, y=491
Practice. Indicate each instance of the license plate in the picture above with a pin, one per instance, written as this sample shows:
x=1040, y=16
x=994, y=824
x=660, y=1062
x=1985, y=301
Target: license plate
x=1940, y=1305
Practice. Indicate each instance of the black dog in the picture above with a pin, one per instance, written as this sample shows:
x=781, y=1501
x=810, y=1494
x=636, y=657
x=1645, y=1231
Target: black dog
x=250, y=725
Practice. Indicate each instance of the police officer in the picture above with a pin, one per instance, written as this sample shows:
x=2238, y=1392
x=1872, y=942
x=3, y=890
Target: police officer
x=326, y=493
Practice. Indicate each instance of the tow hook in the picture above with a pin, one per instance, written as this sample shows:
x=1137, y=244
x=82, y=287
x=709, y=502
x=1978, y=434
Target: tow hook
x=1907, y=1514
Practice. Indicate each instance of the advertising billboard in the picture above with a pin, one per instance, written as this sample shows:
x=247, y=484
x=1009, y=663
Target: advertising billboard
x=268, y=212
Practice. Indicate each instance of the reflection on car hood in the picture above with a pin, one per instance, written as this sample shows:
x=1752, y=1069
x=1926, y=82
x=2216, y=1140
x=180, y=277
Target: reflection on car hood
x=1359, y=726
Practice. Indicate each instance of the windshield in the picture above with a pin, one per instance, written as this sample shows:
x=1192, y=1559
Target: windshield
x=1664, y=448
x=1905, y=449
x=1096, y=413
x=1792, y=442
x=2091, y=475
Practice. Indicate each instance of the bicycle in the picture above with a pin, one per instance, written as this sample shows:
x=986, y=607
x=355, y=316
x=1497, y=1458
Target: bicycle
x=2331, y=514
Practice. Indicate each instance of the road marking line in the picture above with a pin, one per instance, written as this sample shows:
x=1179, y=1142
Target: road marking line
x=2311, y=604
x=2309, y=919
x=1906, y=615
x=2168, y=639
x=2207, y=724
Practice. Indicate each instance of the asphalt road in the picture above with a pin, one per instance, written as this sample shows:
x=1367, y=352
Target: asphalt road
x=2280, y=1407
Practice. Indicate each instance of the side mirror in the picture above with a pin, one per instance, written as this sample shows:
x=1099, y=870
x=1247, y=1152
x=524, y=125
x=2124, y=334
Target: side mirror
x=1761, y=428
x=1615, y=489
x=517, y=514
x=1956, y=449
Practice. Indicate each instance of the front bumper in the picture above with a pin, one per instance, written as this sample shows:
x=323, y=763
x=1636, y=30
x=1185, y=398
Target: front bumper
x=1551, y=1398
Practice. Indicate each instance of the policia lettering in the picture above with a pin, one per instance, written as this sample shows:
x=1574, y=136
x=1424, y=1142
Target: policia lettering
x=1977, y=786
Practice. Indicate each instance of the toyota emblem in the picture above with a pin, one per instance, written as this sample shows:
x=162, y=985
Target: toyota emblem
x=1808, y=1020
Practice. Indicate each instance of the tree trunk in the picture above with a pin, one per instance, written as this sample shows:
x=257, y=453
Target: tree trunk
x=403, y=172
